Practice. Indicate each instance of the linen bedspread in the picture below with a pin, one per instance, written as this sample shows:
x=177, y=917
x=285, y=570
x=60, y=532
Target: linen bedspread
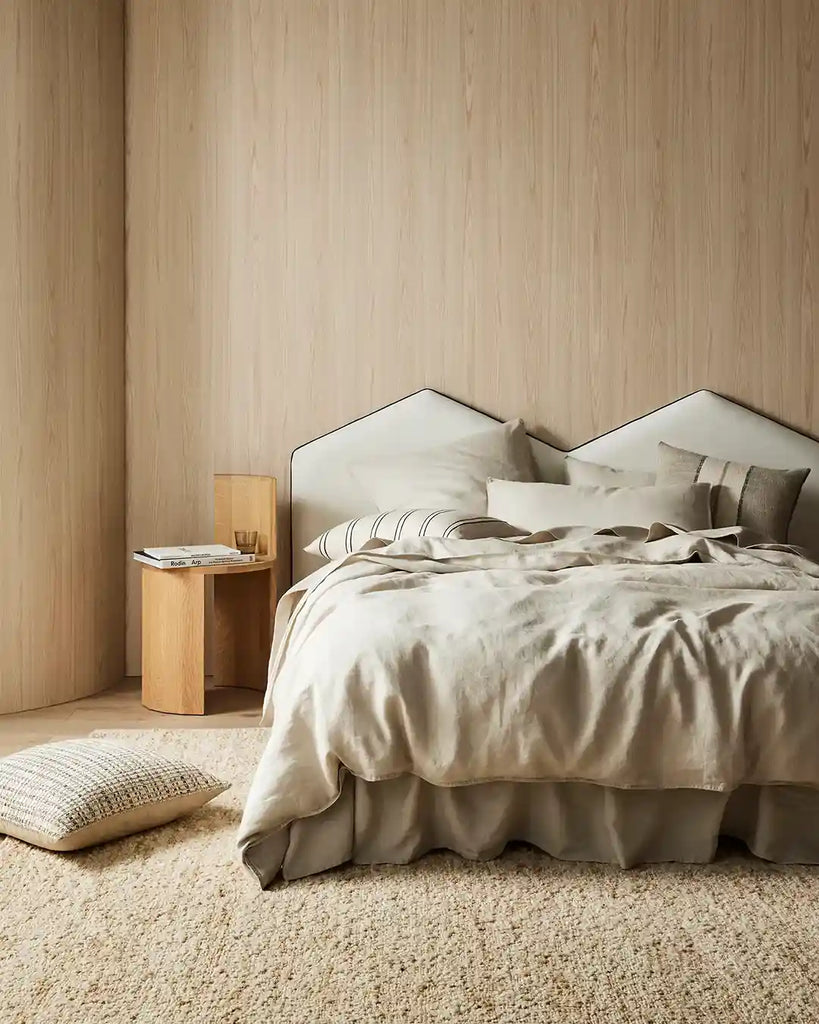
x=634, y=659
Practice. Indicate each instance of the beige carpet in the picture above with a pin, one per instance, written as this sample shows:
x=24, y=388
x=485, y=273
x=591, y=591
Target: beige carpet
x=167, y=927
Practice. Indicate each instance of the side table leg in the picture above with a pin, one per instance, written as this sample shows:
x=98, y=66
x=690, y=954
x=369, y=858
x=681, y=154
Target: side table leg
x=242, y=604
x=173, y=641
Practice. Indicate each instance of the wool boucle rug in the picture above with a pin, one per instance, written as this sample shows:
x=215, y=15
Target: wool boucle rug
x=167, y=926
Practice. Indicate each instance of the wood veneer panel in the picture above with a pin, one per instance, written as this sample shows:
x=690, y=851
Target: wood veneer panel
x=573, y=212
x=243, y=605
x=173, y=641
x=170, y=242
x=61, y=350
x=242, y=502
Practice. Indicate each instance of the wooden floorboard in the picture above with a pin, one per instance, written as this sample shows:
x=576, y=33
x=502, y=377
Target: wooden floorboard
x=121, y=708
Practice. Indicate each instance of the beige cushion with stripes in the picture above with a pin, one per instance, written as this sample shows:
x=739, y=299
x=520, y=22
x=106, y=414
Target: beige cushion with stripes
x=741, y=495
x=347, y=537
x=77, y=793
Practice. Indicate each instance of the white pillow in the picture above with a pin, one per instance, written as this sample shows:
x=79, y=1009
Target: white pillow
x=76, y=793
x=592, y=474
x=533, y=506
x=347, y=537
x=451, y=476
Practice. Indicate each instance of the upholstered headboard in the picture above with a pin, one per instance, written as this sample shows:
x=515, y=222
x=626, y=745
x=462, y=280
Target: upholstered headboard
x=323, y=492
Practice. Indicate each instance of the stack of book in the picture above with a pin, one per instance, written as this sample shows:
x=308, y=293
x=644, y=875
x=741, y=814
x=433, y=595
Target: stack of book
x=184, y=557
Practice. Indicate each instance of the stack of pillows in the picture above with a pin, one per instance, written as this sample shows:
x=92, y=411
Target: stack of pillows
x=486, y=485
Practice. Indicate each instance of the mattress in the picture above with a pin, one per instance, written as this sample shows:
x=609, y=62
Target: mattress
x=401, y=819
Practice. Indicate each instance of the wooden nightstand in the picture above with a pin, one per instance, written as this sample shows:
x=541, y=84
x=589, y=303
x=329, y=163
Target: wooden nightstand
x=244, y=600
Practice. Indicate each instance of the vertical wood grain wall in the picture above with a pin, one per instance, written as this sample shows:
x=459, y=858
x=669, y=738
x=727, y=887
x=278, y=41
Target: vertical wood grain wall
x=62, y=452
x=573, y=212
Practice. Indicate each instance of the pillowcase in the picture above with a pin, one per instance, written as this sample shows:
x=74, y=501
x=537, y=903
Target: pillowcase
x=741, y=495
x=451, y=476
x=591, y=474
x=347, y=537
x=76, y=793
x=533, y=507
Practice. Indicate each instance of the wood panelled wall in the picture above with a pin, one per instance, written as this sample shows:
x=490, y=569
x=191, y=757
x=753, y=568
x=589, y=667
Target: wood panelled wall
x=62, y=350
x=571, y=211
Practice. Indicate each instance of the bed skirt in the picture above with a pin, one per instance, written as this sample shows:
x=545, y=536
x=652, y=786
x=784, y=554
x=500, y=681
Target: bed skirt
x=401, y=819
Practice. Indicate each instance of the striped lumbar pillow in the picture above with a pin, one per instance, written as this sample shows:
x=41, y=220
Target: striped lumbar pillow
x=76, y=793
x=347, y=537
x=741, y=495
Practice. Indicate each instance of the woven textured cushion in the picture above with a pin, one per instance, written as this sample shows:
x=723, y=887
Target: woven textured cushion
x=347, y=537
x=741, y=495
x=449, y=476
x=76, y=793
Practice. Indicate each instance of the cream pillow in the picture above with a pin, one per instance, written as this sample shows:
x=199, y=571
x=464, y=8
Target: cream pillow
x=591, y=474
x=347, y=537
x=741, y=495
x=451, y=476
x=533, y=506
x=77, y=793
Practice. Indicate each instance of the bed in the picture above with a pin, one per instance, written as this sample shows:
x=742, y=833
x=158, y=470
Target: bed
x=555, y=734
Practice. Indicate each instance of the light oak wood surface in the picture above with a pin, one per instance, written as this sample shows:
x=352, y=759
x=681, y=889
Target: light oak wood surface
x=243, y=608
x=242, y=502
x=173, y=641
x=573, y=212
x=174, y=610
x=170, y=486
x=62, y=350
x=120, y=707
x=227, y=569
x=173, y=632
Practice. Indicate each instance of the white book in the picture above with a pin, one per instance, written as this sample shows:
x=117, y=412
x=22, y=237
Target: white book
x=186, y=563
x=192, y=551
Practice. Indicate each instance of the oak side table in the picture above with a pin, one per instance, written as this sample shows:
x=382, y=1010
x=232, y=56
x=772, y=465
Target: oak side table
x=173, y=631
x=244, y=603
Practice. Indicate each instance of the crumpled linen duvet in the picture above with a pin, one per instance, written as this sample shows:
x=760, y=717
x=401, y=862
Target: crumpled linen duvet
x=635, y=659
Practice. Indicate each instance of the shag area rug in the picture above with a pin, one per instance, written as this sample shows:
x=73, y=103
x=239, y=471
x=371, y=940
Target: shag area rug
x=167, y=926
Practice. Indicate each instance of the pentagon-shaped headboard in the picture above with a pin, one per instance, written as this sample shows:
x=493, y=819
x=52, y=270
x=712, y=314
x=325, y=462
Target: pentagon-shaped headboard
x=323, y=492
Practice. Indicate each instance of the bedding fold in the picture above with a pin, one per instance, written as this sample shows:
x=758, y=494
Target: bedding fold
x=634, y=659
